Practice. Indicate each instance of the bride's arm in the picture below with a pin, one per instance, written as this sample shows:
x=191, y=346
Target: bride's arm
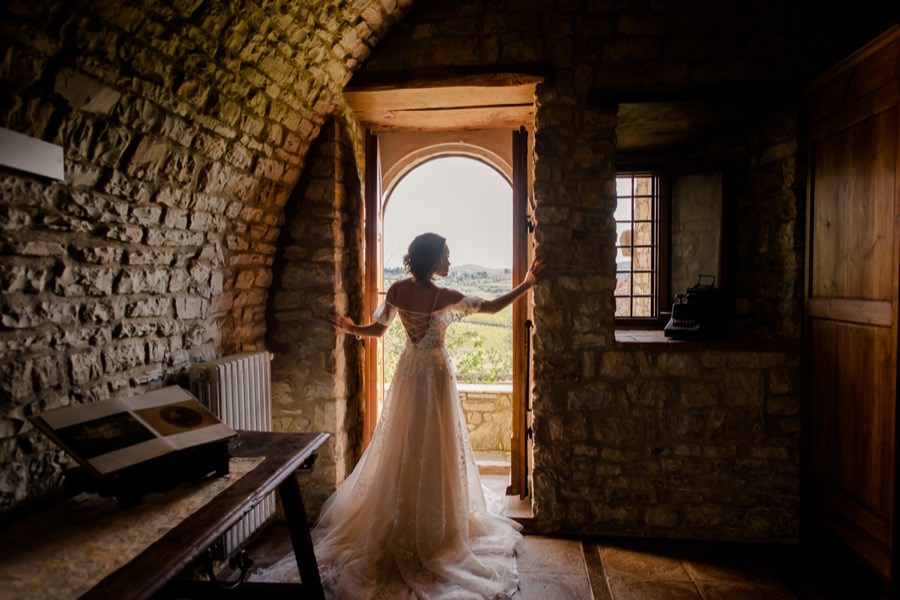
x=375, y=329
x=346, y=325
x=535, y=274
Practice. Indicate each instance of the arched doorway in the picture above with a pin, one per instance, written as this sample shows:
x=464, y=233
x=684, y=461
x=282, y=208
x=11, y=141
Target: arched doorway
x=469, y=203
x=425, y=190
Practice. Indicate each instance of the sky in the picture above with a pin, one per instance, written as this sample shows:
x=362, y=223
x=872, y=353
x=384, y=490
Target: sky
x=462, y=199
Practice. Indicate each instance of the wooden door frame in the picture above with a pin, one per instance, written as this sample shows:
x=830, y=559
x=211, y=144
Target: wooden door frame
x=519, y=468
x=372, y=375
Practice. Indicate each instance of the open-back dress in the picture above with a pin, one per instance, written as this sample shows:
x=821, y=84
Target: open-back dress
x=411, y=521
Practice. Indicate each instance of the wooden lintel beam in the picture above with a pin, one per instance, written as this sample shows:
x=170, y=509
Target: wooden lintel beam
x=473, y=107
x=475, y=75
x=489, y=117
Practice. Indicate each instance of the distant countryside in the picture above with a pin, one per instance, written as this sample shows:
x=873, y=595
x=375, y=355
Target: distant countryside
x=480, y=345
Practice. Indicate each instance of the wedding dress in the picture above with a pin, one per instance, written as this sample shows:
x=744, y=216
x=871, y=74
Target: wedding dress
x=411, y=520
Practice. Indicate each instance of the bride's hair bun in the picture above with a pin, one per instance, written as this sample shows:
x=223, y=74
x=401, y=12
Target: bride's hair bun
x=423, y=254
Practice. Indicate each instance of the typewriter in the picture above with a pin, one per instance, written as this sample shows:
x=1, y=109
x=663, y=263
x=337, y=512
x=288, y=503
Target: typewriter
x=696, y=313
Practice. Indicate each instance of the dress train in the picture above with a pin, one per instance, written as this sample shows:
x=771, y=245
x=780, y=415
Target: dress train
x=411, y=520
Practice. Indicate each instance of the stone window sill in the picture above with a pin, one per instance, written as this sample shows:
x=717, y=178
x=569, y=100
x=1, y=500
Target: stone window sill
x=477, y=388
x=485, y=388
x=656, y=338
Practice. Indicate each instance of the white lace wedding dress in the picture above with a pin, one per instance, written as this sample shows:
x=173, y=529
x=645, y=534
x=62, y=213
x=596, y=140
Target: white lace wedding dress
x=411, y=519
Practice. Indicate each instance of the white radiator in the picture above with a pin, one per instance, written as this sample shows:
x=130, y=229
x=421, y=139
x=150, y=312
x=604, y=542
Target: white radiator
x=238, y=390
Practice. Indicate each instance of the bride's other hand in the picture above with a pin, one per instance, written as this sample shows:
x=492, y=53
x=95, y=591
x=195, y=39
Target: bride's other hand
x=342, y=323
x=537, y=272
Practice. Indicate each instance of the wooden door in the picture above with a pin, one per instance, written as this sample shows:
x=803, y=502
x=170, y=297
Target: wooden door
x=373, y=381
x=853, y=262
x=519, y=455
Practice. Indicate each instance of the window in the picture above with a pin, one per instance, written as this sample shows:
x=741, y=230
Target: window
x=638, y=243
x=669, y=233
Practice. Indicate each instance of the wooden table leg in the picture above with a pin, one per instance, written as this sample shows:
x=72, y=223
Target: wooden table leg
x=292, y=502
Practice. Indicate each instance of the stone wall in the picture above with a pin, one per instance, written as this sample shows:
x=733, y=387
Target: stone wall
x=689, y=440
x=768, y=219
x=184, y=126
x=696, y=231
x=488, y=413
x=680, y=440
x=574, y=314
x=316, y=375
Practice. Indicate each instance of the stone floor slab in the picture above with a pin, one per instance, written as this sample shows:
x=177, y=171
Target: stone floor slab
x=625, y=588
x=553, y=586
x=642, y=562
x=537, y=553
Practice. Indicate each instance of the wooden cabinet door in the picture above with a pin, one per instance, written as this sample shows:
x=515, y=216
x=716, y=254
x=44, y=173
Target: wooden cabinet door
x=851, y=305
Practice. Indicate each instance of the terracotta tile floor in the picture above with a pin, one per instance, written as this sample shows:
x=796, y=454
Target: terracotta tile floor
x=725, y=571
x=552, y=568
x=640, y=571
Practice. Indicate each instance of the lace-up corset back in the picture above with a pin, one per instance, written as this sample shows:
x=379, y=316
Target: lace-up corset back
x=423, y=330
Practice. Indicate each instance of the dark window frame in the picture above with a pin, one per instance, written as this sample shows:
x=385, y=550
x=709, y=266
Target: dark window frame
x=661, y=258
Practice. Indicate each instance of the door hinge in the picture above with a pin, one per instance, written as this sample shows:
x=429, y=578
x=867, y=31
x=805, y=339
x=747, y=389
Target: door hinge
x=529, y=432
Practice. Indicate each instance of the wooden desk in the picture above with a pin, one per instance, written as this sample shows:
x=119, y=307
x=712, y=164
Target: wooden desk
x=267, y=461
x=164, y=560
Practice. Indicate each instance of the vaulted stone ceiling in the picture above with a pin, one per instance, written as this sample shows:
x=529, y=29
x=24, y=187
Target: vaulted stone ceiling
x=283, y=62
x=192, y=117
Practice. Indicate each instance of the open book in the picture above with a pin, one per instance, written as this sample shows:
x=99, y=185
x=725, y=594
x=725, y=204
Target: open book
x=114, y=434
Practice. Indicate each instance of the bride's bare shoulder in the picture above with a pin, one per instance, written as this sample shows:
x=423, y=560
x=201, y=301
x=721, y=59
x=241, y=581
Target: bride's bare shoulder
x=449, y=297
x=398, y=288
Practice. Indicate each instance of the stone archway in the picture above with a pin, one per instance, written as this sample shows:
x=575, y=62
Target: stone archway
x=487, y=154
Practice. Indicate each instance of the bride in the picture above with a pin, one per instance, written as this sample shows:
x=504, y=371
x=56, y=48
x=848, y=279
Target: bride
x=411, y=521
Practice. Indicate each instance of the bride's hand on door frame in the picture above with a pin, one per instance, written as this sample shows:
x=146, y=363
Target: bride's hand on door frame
x=342, y=323
x=537, y=272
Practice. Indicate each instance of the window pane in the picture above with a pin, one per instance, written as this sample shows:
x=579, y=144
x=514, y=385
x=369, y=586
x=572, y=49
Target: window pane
x=623, y=210
x=642, y=307
x=623, y=188
x=643, y=284
x=623, y=307
x=643, y=209
x=643, y=186
x=643, y=234
x=643, y=259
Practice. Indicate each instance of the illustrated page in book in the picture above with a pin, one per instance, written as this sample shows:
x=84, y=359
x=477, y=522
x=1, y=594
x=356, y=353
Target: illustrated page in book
x=114, y=434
